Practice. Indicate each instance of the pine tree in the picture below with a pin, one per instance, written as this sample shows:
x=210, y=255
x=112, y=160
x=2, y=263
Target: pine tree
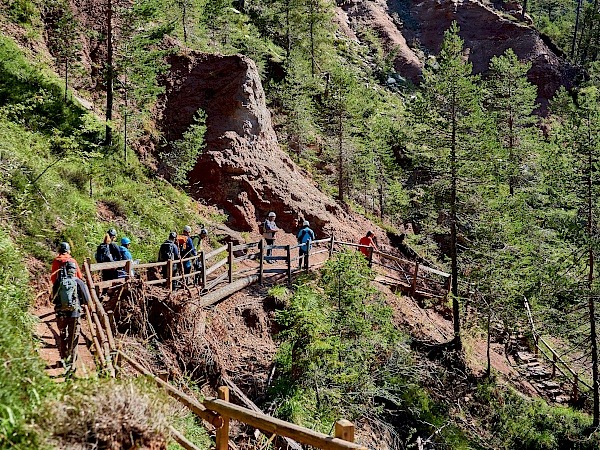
x=510, y=102
x=580, y=136
x=450, y=114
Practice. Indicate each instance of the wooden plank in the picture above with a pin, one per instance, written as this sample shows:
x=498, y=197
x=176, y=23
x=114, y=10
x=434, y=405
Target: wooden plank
x=352, y=244
x=181, y=439
x=110, y=283
x=161, y=281
x=193, y=405
x=107, y=265
x=275, y=247
x=319, y=252
x=216, y=252
x=230, y=262
x=212, y=283
x=321, y=241
x=216, y=266
x=237, y=248
x=435, y=271
x=149, y=265
x=246, y=257
x=279, y=427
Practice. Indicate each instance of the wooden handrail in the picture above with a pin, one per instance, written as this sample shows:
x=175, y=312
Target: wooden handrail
x=107, y=265
x=194, y=405
x=278, y=426
x=216, y=252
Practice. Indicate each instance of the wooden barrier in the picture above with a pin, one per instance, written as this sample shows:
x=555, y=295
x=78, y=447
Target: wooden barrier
x=282, y=428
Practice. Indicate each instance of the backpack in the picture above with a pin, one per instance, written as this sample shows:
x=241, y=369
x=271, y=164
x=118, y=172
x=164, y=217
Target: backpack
x=103, y=253
x=181, y=241
x=166, y=251
x=67, y=293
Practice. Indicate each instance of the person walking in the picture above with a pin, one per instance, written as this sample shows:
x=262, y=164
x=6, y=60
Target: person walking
x=187, y=249
x=126, y=255
x=269, y=230
x=109, y=251
x=367, y=241
x=305, y=235
x=68, y=294
x=169, y=251
x=64, y=256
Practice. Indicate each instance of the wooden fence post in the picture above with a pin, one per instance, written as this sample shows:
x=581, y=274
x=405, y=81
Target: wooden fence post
x=230, y=261
x=413, y=287
x=223, y=432
x=128, y=265
x=331, y=244
x=170, y=275
x=261, y=261
x=371, y=256
x=288, y=260
x=203, y=256
x=536, y=341
x=344, y=429
x=576, y=388
x=553, y=364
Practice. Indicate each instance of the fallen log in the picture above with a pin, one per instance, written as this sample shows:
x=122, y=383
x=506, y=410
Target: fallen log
x=213, y=297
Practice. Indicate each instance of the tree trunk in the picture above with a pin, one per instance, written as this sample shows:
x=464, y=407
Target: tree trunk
x=591, y=306
x=577, y=13
x=340, y=158
x=524, y=11
x=109, y=74
x=453, y=235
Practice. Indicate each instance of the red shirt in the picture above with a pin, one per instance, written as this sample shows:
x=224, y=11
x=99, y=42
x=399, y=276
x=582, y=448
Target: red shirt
x=59, y=261
x=368, y=241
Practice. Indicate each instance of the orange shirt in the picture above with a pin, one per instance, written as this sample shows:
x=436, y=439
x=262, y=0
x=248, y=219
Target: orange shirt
x=58, y=262
x=366, y=240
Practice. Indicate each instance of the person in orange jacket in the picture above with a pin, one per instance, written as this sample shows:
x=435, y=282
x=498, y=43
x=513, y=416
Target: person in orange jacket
x=64, y=256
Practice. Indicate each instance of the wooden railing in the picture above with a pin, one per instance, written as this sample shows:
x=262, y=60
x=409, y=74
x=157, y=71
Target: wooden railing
x=557, y=362
x=218, y=266
x=219, y=411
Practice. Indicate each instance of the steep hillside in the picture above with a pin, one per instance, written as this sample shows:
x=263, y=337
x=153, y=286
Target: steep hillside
x=416, y=30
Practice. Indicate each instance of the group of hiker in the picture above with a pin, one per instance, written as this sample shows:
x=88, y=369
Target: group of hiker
x=69, y=293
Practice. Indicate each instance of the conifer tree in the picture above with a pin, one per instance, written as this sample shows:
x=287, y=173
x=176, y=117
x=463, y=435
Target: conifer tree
x=580, y=136
x=450, y=114
x=510, y=102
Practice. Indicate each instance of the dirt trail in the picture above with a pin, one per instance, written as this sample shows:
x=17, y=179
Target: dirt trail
x=47, y=331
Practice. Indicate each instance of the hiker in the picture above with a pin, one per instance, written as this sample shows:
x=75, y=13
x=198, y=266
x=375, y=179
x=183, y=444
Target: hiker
x=367, y=241
x=109, y=251
x=269, y=230
x=126, y=255
x=64, y=256
x=68, y=294
x=169, y=251
x=187, y=249
x=304, y=235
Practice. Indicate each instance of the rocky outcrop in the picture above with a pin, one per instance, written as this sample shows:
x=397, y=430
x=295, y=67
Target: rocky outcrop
x=487, y=32
x=242, y=168
x=355, y=15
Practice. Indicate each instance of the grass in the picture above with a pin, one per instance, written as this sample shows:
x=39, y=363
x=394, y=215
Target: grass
x=23, y=384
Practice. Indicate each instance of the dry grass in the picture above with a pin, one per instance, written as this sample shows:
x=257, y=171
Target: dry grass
x=120, y=415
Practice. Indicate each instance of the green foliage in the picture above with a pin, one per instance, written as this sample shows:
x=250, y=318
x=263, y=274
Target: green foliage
x=334, y=335
x=183, y=153
x=23, y=384
x=22, y=12
x=517, y=422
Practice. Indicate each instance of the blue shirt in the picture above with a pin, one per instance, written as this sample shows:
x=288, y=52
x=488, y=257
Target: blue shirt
x=304, y=235
x=125, y=253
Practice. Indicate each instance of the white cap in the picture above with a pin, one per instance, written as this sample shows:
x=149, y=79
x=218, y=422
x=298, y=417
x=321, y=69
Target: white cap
x=187, y=229
x=305, y=223
x=271, y=214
